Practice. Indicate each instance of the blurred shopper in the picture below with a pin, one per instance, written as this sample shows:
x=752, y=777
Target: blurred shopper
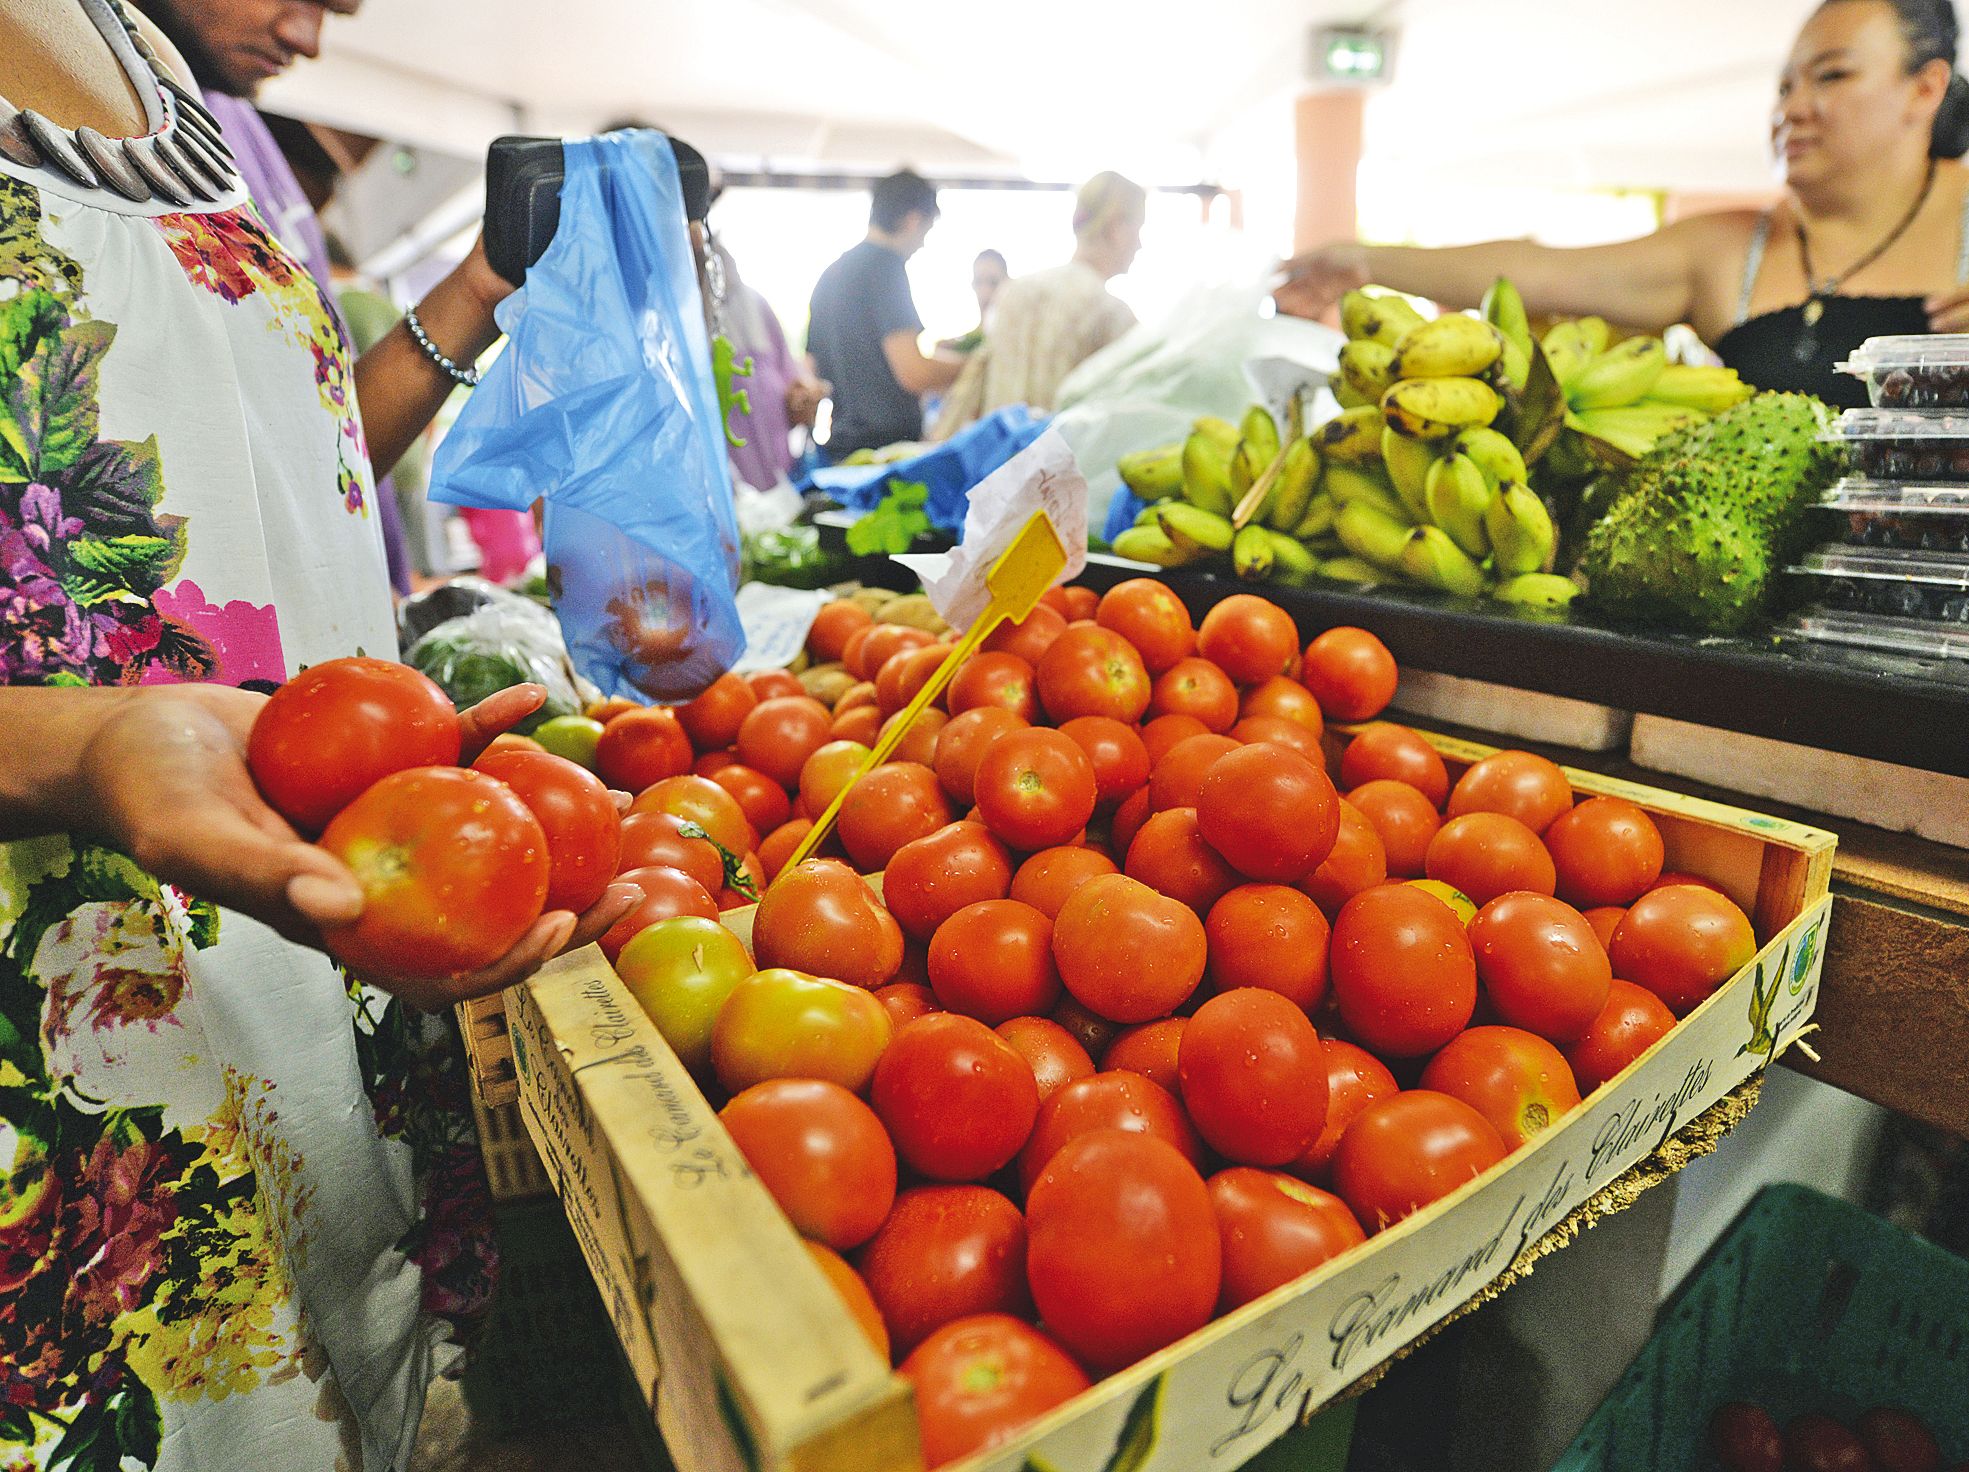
x=863, y=328
x=988, y=278
x=1044, y=325
x=1870, y=237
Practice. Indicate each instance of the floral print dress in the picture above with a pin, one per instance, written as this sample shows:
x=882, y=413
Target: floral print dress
x=214, y=1150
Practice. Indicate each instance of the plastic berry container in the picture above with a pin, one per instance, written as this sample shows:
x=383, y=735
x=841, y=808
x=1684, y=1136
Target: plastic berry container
x=1931, y=589
x=1926, y=371
x=1905, y=445
x=1915, y=637
x=1904, y=518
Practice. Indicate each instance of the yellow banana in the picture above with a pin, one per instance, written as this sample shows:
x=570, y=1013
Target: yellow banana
x=1493, y=454
x=1458, y=497
x=1246, y=467
x=1516, y=364
x=1148, y=544
x=1633, y=428
x=1344, y=395
x=1352, y=437
x=1504, y=309
x=1452, y=346
x=1569, y=346
x=1368, y=368
x=1522, y=537
x=1429, y=556
x=1260, y=431
x=1407, y=462
x=1207, y=473
x=1317, y=519
x=1292, y=490
x=1436, y=408
x=1252, y=555
x=1619, y=376
x=1382, y=318
x=1291, y=562
x=1220, y=432
x=1370, y=535
x=1295, y=416
x=1193, y=529
x=1146, y=516
x=1536, y=590
x=1352, y=570
x=1154, y=475
x=1345, y=484
x=1711, y=390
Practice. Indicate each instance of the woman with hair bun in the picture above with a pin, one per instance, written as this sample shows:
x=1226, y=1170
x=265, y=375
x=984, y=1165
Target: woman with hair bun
x=1870, y=237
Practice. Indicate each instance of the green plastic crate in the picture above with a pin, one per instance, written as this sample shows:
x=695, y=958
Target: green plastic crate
x=1806, y=1303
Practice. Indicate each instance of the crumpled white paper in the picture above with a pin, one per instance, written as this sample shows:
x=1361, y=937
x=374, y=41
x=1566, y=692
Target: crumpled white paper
x=776, y=622
x=1043, y=476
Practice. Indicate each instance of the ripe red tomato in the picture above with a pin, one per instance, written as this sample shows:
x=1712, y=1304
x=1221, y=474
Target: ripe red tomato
x=1605, y=919
x=1127, y=822
x=1076, y=602
x=1384, y=750
x=771, y=684
x=1151, y=617
x=1121, y=761
x=584, y=835
x=1541, y=965
x=905, y=1001
x=657, y=840
x=1177, y=780
x=828, y=637
x=1249, y=637
x=712, y=719
x=893, y=805
x=1196, y=687
x=919, y=743
x=1513, y=1078
x=604, y=711
x=1093, y=671
x=899, y=681
x=786, y=1024
x=1486, y=855
x=1400, y=1154
x=1606, y=851
x=931, y=878
x=1055, y=1055
x=639, y=748
x=762, y=800
x=1745, y=1438
x=847, y=1283
x=1404, y=821
x=959, y=1101
x=993, y=960
x=994, y=678
x=1681, y=943
x=982, y=1380
x=1272, y=814
x=858, y=696
x=1125, y=952
x=453, y=870
x=339, y=727
x=1358, y=861
x=1283, y=698
x=946, y=1252
x=1031, y=637
x=961, y=746
x=1898, y=1441
x=1112, y=1213
x=667, y=894
x=1672, y=877
x=1516, y=783
x=819, y=917
x=1633, y=1020
x=1152, y=1049
x=1168, y=853
x=1086, y=1027
x=861, y=725
x=778, y=846
x=1035, y=788
x=1351, y=673
x=1114, y=1099
x=680, y=971
x=1274, y=1229
x=1279, y=731
x=883, y=643
x=1162, y=733
x=1254, y=1082
x=1269, y=936
x=1047, y=879
x=701, y=801
x=1402, y=971
x=1355, y=1078
x=1814, y=1442
x=780, y=734
x=821, y=1152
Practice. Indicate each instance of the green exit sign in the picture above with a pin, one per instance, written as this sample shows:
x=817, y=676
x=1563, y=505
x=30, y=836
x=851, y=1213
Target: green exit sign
x=1352, y=56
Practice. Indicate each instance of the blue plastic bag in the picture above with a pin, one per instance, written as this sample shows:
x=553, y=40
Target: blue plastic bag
x=1122, y=511
x=603, y=404
x=949, y=470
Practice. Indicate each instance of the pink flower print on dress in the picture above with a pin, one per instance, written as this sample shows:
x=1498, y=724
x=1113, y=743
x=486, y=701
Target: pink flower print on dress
x=245, y=636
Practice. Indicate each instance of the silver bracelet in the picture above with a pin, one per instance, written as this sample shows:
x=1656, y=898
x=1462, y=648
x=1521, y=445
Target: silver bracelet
x=467, y=376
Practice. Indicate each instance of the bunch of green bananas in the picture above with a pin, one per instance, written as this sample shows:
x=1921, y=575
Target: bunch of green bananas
x=1627, y=394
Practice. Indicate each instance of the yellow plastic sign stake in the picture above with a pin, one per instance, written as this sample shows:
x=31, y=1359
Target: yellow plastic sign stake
x=1016, y=582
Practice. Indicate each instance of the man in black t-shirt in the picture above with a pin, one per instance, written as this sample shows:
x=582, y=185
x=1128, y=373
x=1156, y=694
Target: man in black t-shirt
x=863, y=328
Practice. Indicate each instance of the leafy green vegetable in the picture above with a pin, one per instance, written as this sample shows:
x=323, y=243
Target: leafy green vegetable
x=896, y=522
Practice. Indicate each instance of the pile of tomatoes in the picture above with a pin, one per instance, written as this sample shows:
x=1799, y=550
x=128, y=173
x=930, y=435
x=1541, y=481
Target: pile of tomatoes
x=1142, y=1017
x=1884, y=1439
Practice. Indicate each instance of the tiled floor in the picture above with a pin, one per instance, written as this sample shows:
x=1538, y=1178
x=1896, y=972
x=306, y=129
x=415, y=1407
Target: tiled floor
x=446, y=1443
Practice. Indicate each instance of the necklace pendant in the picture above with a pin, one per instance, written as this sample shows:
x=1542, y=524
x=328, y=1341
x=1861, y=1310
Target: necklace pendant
x=1814, y=309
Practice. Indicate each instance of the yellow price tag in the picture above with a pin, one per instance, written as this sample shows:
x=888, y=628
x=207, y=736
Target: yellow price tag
x=1016, y=582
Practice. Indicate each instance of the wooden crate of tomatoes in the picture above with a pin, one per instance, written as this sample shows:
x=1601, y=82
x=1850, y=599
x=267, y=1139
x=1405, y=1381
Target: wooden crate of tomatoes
x=1153, y=1049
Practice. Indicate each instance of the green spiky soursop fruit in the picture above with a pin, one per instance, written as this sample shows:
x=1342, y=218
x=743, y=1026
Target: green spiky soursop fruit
x=1699, y=528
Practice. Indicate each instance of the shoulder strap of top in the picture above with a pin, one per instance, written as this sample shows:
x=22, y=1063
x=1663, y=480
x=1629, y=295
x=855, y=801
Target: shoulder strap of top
x=1760, y=236
x=1962, y=244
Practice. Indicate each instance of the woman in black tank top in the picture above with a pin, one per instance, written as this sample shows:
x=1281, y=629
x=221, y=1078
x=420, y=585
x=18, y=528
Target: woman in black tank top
x=1870, y=238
